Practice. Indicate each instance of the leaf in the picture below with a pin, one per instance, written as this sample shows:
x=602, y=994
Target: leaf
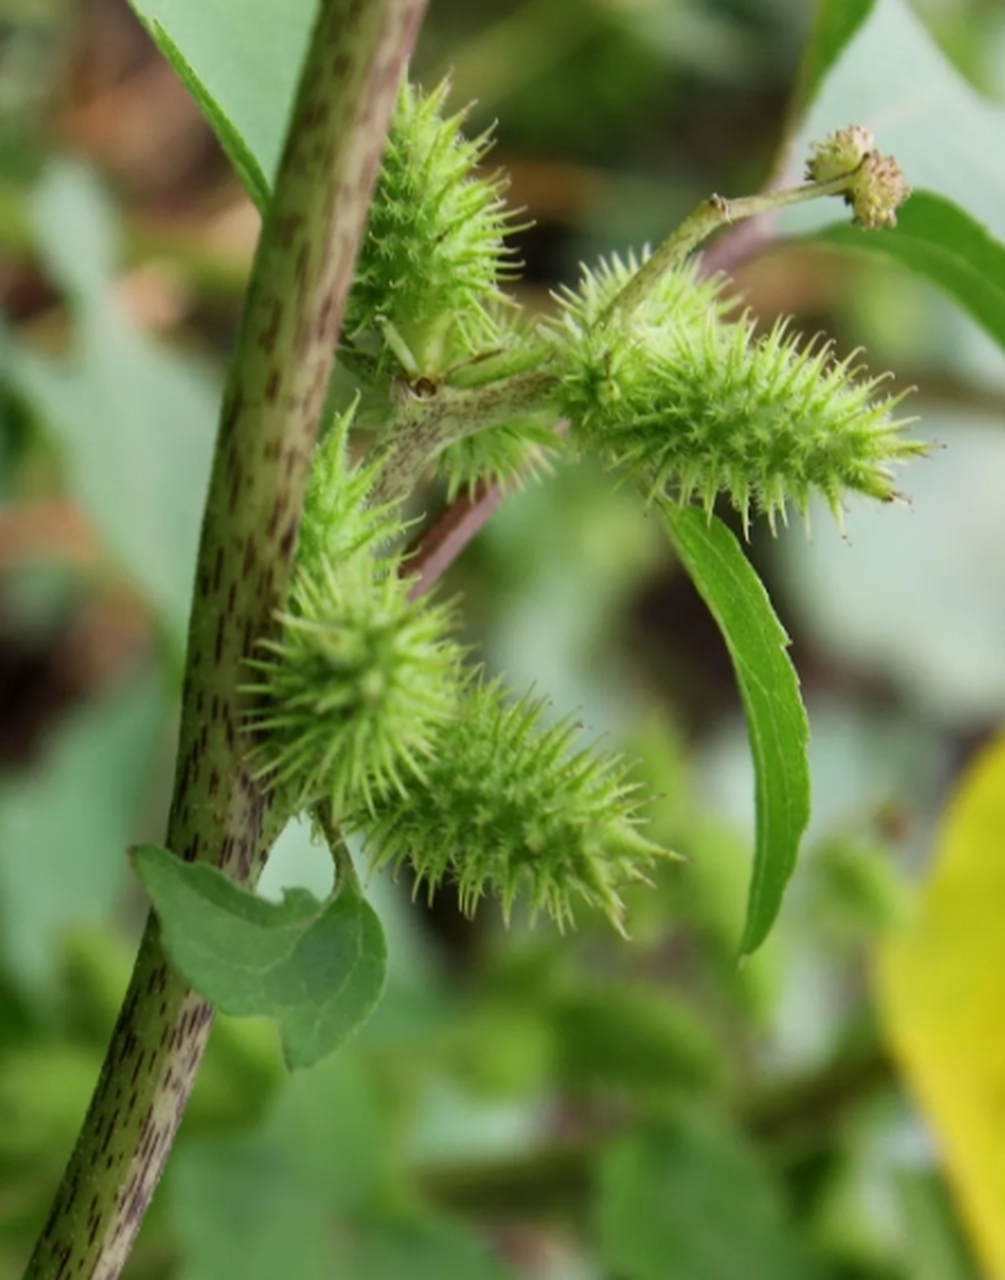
x=632, y=1040
x=936, y=1247
x=44, y=1090
x=261, y=1204
x=234, y=146
x=65, y=826
x=240, y=59
x=836, y=22
x=769, y=687
x=915, y=597
x=136, y=421
x=421, y=1250
x=941, y=984
x=317, y=967
x=302, y=1196
x=937, y=240
x=690, y=1200
x=946, y=138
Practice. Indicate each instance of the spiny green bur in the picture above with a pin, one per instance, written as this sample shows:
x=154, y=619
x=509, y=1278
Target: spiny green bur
x=697, y=406
x=427, y=290
x=510, y=809
x=350, y=691
x=428, y=306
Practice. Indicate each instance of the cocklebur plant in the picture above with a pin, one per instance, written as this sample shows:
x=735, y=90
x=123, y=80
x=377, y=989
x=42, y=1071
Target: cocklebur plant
x=362, y=704
x=655, y=379
x=696, y=406
x=317, y=681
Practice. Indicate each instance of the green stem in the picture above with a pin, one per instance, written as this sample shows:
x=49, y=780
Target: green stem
x=274, y=399
x=425, y=426
x=710, y=215
x=345, y=872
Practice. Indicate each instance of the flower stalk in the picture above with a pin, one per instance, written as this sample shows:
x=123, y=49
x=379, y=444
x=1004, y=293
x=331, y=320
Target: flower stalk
x=846, y=164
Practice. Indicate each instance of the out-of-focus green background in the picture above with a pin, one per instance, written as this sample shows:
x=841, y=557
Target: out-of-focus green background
x=522, y=1104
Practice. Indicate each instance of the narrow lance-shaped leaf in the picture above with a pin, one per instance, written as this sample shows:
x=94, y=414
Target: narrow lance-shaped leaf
x=318, y=968
x=769, y=687
x=239, y=59
x=835, y=23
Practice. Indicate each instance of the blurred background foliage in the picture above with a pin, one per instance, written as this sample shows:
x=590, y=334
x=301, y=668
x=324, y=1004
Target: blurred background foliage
x=522, y=1104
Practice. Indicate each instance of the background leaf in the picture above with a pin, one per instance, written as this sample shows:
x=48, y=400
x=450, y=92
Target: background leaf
x=934, y=238
x=776, y=720
x=916, y=595
x=947, y=139
x=264, y=1204
x=421, y=1250
x=836, y=23
x=65, y=827
x=241, y=157
x=317, y=967
x=690, y=1200
x=136, y=420
x=941, y=984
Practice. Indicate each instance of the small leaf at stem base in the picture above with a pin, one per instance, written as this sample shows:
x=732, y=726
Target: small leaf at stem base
x=318, y=968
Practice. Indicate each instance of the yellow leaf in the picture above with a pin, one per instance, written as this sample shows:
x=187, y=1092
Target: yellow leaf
x=941, y=987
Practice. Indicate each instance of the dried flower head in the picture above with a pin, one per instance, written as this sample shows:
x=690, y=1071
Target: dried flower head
x=839, y=154
x=877, y=188
x=877, y=191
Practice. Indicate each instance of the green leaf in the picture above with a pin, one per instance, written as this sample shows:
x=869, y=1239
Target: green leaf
x=306, y=1194
x=317, y=967
x=836, y=22
x=44, y=1090
x=936, y=239
x=420, y=1250
x=769, y=687
x=631, y=1038
x=240, y=59
x=65, y=826
x=263, y=1204
x=915, y=597
x=946, y=138
x=690, y=1200
x=246, y=166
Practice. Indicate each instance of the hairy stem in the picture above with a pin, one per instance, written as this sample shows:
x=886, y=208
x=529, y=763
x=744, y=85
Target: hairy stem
x=427, y=425
x=710, y=215
x=274, y=398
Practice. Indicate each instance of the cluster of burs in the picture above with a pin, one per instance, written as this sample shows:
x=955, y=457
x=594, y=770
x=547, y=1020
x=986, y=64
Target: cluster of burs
x=365, y=705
